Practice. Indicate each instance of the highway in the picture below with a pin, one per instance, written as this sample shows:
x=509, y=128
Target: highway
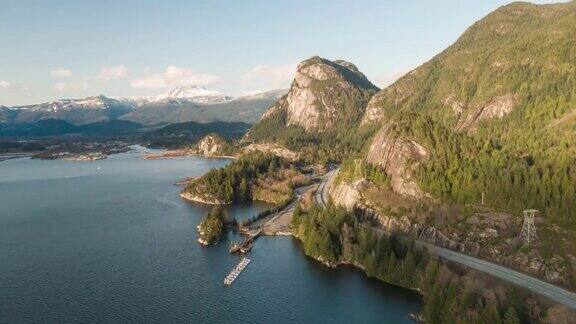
x=275, y=222
x=322, y=195
x=536, y=286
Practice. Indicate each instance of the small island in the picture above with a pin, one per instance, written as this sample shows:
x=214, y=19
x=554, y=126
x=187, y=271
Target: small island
x=212, y=226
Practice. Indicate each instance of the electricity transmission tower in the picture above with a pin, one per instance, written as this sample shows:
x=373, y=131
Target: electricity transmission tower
x=528, y=233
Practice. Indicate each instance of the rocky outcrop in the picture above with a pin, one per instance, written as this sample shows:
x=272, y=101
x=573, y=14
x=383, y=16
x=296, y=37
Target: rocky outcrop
x=202, y=198
x=348, y=194
x=422, y=232
x=497, y=108
x=211, y=145
x=398, y=157
x=272, y=148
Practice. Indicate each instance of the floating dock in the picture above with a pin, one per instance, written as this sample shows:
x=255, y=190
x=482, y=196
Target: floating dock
x=245, y=246
x=236, y=271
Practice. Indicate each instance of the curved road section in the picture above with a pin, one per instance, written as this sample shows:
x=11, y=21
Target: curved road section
x=536, y=286
x=324, y=187
x=532, y=284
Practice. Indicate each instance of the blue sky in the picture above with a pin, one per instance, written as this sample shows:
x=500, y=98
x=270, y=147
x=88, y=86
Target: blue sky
x=69, y=48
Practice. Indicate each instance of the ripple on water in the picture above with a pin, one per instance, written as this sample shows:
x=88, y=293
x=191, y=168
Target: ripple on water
x=121, y=246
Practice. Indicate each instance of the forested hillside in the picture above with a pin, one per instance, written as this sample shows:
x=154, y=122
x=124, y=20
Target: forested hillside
x=496, y=113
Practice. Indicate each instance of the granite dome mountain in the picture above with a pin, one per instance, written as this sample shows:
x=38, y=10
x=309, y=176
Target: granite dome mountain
x=492, y=116
x=325, y=101
x=323, y=95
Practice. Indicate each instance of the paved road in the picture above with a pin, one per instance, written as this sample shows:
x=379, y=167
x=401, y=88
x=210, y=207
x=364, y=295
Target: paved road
x=277, y=222
x=536, y=286
x=321, y=195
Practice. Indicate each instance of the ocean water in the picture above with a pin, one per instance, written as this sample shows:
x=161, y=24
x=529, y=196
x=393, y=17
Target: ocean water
x=111, y=241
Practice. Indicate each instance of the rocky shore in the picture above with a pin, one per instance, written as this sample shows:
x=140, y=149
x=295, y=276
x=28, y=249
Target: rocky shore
x=169, y=154
x=191, y=197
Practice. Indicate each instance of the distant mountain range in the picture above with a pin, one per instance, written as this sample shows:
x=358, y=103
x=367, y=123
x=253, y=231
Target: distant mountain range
x=182, y=104
x=57, y=127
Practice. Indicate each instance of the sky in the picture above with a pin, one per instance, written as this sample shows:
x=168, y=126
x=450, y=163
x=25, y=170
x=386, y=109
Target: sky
x=73, y=49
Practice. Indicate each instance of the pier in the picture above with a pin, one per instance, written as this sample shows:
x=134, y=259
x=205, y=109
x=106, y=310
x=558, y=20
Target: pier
x=246, y=245
x=236, y=271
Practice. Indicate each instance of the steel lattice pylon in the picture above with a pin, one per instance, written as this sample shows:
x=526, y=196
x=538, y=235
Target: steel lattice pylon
x=528, y=233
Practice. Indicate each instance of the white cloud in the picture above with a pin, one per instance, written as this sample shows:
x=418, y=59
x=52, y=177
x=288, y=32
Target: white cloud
x=174, y=76
x=4, y=84
x=61, y=73
x=71, y=86
x=112, y=72
x=269, y=76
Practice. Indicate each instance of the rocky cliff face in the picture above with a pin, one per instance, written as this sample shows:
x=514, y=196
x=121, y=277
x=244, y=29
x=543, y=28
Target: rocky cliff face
x=398, y=157
x=323, y=95
x=211, y=145
x=498, y=107
x=323, y=90
x=347, y=194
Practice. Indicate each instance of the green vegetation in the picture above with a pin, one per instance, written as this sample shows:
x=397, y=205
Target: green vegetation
x=335, y=236
x=212, y=226
x=329, y=145
x=255, y=176
x=352, y=169
x=524, y=160
x=180, y=135
x=16, y=146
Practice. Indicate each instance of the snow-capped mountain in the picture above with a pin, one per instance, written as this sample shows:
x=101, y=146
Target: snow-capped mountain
x=96, y=102
x=190, y=94
x=196, y=94
x=181, y=104
x=75, y=111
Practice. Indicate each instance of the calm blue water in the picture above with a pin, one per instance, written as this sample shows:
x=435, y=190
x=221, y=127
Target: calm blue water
x=111, y=241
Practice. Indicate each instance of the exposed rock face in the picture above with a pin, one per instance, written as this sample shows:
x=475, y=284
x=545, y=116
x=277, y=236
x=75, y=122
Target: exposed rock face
x=497, y=108
x=323, y=94
x=493, y=220
x=404, y=225
x=202, y=198
x=210, y=145
x=272, y=148
x=398, y=157
x=346, y=194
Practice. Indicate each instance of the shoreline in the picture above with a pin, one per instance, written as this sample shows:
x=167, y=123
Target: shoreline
x=355, y=265
x=167, y=155
x=197, y=199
